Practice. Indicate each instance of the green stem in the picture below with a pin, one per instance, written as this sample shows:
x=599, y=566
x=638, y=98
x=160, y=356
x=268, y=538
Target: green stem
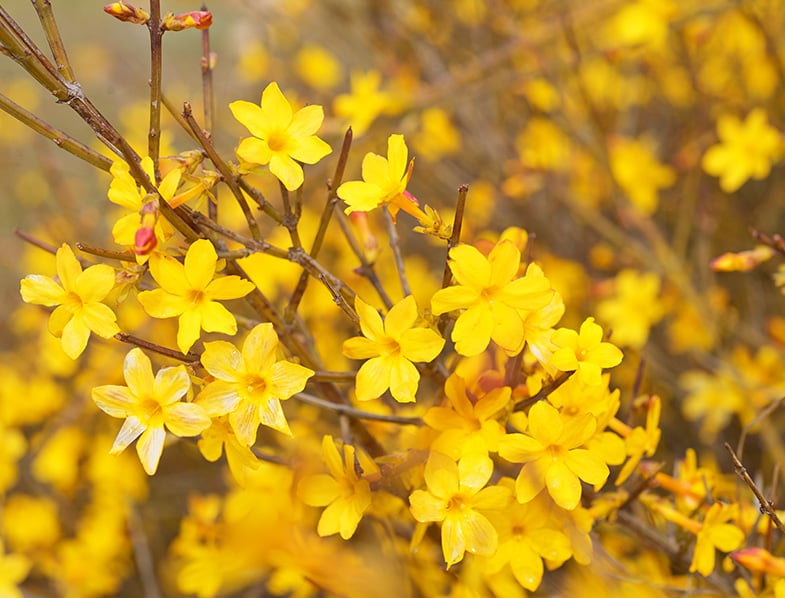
x=47, y=18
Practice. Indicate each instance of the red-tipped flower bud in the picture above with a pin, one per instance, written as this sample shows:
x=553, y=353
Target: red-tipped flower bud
x=198, y=19
x=144, y=241
x=126, y=12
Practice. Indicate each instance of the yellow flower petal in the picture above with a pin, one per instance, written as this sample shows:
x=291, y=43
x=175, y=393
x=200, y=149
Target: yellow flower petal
x=41, y=290
x=150, y=447
x=200, y=261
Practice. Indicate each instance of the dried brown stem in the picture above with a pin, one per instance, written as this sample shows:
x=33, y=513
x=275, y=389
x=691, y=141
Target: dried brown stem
x=354, y=413
x=544, y=391
x=189, y=358
x=156, y=67
x=123, y=256
x=395, y=245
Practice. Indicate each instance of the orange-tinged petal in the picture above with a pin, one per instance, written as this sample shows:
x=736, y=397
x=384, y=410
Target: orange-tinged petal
x=421, y=344
x=470, y=267
x=150, y=447
x=130, y=431
x=41, y=290
x=216, y=318
x=318, y=490
x=310, y=149
x=200, y=264
x=275, y=106
x=401, y=317
x=457, y=297
x=189, y=329
x=288, y=378
x=563, y=485
x=372, y=379
x=359, y=347
x=114, y=400
x=289, y=172
x=453, y=542
x=255, y=151
x=138, y=373
x=479, y=535
x=251, y=116
x=222, y=360
x=75, y=336
x=504, y=259
x=100, y=319
x=68, y=267
x=472, y=330
x=171, y=384
x=186, y=419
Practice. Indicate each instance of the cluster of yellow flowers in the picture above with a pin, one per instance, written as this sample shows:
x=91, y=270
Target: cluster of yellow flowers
x=404, y=414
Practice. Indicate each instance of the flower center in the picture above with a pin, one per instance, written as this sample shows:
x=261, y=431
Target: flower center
x=196, y=296
x=152, y=412
x=277, y=141
x=255, y=387
x=389, y=347
x=456, y=503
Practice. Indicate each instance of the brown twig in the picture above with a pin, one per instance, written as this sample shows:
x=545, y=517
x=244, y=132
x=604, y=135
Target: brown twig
x=123, y=256
x=455, y=238
x=395, y=245
x=354, y=413
x=49, y=25
x=189, y=358
x=766, y=506
x=156, y=68
x=544, y=391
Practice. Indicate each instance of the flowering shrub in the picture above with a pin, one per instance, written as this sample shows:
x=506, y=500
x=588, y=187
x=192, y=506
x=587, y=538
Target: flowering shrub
x=336, y=388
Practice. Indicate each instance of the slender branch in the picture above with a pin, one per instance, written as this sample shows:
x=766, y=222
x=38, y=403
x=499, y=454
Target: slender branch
x=327, y=212
x=455, y=238
x=60, y=138
x=223, y=168
x=290, y=218
x=326, y=376
x=47, y=18
x=142, y=553
x=357, y=413
x=252, y=245
x=155, y=348
x=766, y=506
x=544, y=391
x=123, y=256
x=257, y=196
x=395, y=245
x=208, y=99
x=156, y=67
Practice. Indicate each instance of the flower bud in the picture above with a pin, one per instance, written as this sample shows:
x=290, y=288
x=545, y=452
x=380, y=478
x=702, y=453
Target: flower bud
x=125, y=12
x=144, y=241
x=199, y=19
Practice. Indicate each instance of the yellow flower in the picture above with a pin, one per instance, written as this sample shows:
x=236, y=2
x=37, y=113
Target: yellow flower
x=715, y=534
x=552, y=458
x=469, y=422
x=124, y=192
x=345, y=491
x=639, y=174
x=280, y=137
x=384, y=181
x=634, y=308
x=364, y=103
x=455, y=496
x=585, y=352
x=189, y=291
x=78, y=296
x=746, y=150
x=392, y=345
x=495, y=300
x=149, y=403
x=250, y=386
x=220, y=437
x=13, y=570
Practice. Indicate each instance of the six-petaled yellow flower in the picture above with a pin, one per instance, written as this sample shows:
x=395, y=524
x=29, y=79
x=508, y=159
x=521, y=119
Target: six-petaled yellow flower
x=281, y=138
x=78, y=296
x=390, y=346
x=346, y=491
x=251, y=384
x=189, y=291
x=746, y=150
x=552, y=456
x=496, y=301
x=585, y=352
x=715, y=534
x=455, y=496
x=149, y=404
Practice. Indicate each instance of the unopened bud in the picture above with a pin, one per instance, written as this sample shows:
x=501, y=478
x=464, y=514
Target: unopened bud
x=125, y=12
x=759, y=560
x=196, y=19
